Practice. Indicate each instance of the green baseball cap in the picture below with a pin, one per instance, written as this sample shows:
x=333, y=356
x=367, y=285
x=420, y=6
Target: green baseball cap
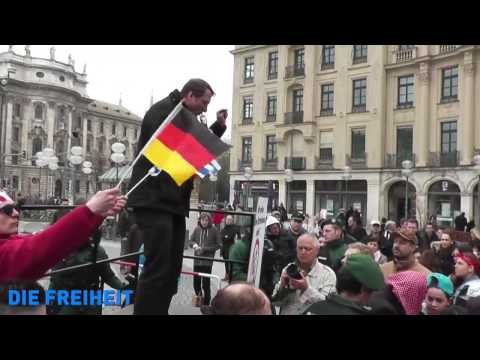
x=443, y=283
x=366, y=271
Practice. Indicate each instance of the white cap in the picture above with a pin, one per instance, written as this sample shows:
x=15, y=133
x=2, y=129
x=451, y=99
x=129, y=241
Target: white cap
x=375, y=222
x=5, y=199
x=272, y=220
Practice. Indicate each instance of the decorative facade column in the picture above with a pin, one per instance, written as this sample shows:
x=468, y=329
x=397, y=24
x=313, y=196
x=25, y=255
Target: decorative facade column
x=468, y=109
x=50, y=123
x=373, y=200
x=422, y=118
x=8, y=131
x=27, y=115
x=282, y=192
x=466, y=204
x=310, y=205
x=84, y=135
x=69, y=129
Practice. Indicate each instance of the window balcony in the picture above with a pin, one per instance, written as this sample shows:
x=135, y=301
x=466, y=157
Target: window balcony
x=444, y=159
x=324, y=161
x=272, y=76
x=295, y=117
x=294, y=71
x=359, y=60
x=271, y=118
x=359, y=108
x=327, y=66
x=295, y=163
x=444, y=49
x=247, y=121
x=242, y=164
x=269, y=164
x=394, y=161
x=404, y=55
x=356, y=161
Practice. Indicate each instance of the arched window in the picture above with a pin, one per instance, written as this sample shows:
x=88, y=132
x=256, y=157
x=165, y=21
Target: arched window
x=39, y=111
x=36, y=145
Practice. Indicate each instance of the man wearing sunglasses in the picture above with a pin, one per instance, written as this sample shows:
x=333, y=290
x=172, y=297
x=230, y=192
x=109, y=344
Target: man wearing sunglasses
x=28, y=257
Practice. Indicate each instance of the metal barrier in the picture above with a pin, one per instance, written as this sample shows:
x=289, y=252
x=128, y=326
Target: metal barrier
x=135, y=265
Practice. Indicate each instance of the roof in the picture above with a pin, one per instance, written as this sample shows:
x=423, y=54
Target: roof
x=112, y=110
x=111, y=174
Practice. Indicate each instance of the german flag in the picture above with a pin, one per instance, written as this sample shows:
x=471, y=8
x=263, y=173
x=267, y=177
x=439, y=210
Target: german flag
x=184, y=148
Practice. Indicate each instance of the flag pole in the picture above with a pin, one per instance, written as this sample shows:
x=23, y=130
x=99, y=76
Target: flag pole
x=167, y=121
x=142, y=180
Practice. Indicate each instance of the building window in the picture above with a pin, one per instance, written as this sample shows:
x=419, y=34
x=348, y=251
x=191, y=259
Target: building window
x=272, y=65
x=100, y=146
x=40, y=74
x=300, y=59
x=249, y=69
x=406, y=91
x=16, y=134
x=88, y=186
x=89, y=125
x=328, y=56
x=77, y=186
x=16, y=110
x=271, y=107
x=404, y=145
x=449, y=137
x=101, y=128
x=136, y=132
x=36, y=145
x=359, y=95
x=358, y=143
x=326, y=145
x=39, y=111
x=89, y=145
x=450, y=83
x=297, y=100
x=327, y=99
x=78, y=124
x=14, y=159
x=246, y=149
x=124, y=131
x=360, y=54
x=271, y=148
x=247, y=108
x=114, y=129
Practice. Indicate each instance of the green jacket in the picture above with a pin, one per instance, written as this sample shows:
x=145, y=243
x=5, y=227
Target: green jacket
x=240, y=252
x=336, y=305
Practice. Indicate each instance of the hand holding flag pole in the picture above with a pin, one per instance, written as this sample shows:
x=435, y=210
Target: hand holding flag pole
x=167, y=121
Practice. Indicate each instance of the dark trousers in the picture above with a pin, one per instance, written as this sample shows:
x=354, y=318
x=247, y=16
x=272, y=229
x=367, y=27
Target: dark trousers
x=163, y=238
x=200, y=283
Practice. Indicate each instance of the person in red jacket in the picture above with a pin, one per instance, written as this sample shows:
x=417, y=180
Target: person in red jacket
x=28, y=257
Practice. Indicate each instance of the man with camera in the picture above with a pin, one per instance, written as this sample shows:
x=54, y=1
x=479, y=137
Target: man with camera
x=304, y=281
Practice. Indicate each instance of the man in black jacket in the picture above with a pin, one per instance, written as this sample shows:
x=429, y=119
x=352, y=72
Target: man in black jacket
x=227, y=235
x=160, y=206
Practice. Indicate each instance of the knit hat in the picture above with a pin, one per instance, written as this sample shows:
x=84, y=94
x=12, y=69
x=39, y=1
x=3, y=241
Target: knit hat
x=405, y=235
x=271, y=220
x=5, y=199
x=365, y=270
x=410, y=288
x=443, y=283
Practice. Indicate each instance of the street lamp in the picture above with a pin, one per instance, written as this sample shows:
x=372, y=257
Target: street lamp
x=476, y=168
x=407, y=170
x=347, y=175
x=248, y=173
x=288, y=179
x=117, y=156
x=213, y=179
x=75, y=159
x=87, y=170
x=44, y=158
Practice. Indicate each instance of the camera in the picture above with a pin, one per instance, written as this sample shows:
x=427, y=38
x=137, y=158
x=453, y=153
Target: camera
x=293, y=271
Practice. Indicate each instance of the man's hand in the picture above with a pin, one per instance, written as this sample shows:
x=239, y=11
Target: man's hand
x=107, y=202
x=301, y=284
x=283, y=279
x=222, y=116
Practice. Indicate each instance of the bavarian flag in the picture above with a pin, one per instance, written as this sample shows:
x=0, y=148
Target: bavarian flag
x=184, y=148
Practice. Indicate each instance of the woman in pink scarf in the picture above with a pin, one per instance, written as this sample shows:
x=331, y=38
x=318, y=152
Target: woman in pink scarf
x=410, y=288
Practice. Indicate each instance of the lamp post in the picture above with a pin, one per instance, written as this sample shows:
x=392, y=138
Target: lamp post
x=288, y=179
x=87, y=170
x=44, y=158
x=346, y=176
x=476, y=161
x=118, y=155
x=75, y=159
x=248, y=173
x=406, y=171
x=213, y=178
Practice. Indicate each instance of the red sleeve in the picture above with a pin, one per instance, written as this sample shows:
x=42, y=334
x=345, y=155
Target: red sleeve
x=29, y=257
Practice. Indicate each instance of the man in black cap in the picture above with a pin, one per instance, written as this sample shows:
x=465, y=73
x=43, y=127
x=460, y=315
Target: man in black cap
x=356, y=281
x=288, y=242
x=336, y=241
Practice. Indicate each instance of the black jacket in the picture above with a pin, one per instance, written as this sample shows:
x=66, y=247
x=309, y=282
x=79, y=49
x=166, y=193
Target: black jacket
x=161, y=192
x=460, y=223
x=336, y=305
x=227, y=236
x=424, y=241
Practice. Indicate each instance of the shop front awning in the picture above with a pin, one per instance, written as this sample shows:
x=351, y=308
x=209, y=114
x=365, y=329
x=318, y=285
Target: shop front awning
x=110, y=176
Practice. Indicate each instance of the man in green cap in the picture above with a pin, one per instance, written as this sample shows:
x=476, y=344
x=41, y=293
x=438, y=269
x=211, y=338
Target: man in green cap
x=356, y=281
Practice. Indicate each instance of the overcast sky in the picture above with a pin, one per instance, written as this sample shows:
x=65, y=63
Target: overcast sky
x=137, y=70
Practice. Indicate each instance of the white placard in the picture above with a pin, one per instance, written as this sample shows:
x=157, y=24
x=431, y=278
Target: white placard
x=330, y=204
x=357, y=206
x=256, y=249
x=446, y=209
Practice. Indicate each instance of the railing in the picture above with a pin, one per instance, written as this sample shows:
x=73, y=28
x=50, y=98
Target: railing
x=404, y=55
x=271, y=118
x=271, y=164
x=359, y=108
x=324, y=162
x=243, y=164
x=247, y=121
x=443, y=159
x=443, y=49
x=295, y=117
x=356, y=161
x=294, y=71
x=295, y=163
x=394, y=161
x=359, y=60
x=248, y=80
x=272, y=76
x=326, y=112
x=327, y=66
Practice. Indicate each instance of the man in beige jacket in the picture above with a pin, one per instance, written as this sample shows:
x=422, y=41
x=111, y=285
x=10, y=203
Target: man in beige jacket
x=404, y=246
